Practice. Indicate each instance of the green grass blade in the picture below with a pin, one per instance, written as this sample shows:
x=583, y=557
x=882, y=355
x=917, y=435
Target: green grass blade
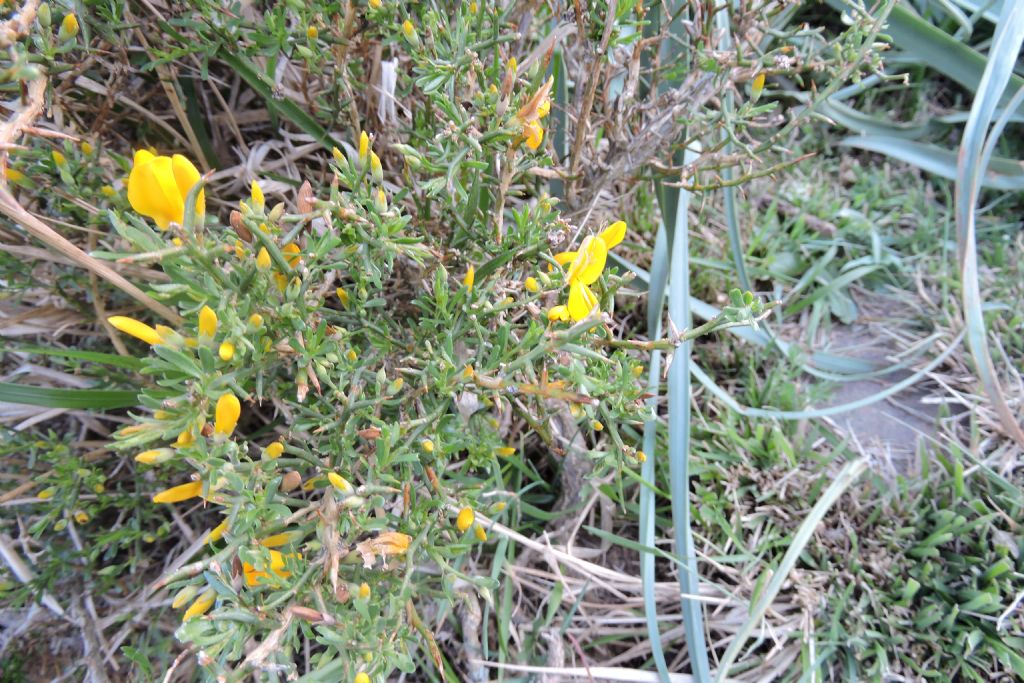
x=679, y=432
x=1003, y=174
x=648, y=515
x=111, y=359
x=73, y=399
x=973, y=158
x=846, y=477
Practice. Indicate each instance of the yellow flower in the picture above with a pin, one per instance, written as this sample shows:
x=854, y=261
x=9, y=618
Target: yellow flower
x=544, y=108
x=87, y=148
x=47, y=493
x=201, y=606
x=58, y=158
x=342, y=296
x=154, y=456
x=481, y=534
x=361, y=677
x=589, y=261
x=465, y=519
x=135, y=328
x=534, y=134
x=312, y=32
x=470, y=278
x=217, y=532
x=374, y=4
x=108, y=191
x=473, y=7
x=410, y=32
x=263, y=259
x=530, y=284
x=597, y=425
x=275, y=450
x=257, y=195
x=376, y=169
x=352, y=355
x=364, y=590
x=226, y=414
x=505, y=450
x=177, y=494
x=159, y=185
x=585, y=266
x=292, y=252
x=16, y=176
x=207, y=322
x=256, y=320
x=81, y=517
x=277, y=564
x=427, y=445
x=380, y=203
x=226, y=351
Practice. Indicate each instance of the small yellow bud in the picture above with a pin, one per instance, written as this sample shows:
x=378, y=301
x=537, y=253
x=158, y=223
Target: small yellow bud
x=481, y=534
x=472, y=7
x=342, y=296
x=374, y=4
x=337, y=154
x=498, y=507
x=505, y=450
x=226, y=351
x=137, y=329
x=47, y=493
x=258, y=199
x=217, y=532
x=207, y=322
x=226, y=414
x=58, y=158
x=380, y=201
x=470, y=278
x=177, y=494
x=427, y=445
x=107, y=191
x=757, y=87
x=256, y=320
x=155, y=456
x=641, y=456
x=185, y=439
x=184, y=595
x=410, y=32
x=576, y=410
x=364, y=149
x=638, y=370
x=352, y=355
x=468, y=372
x=364, y=590
x=376, y=170
x=530, y=284
x=201, y=606
x=16, y=176
x=339, y=482
x=275, y=450
x=98, y=488
x=161, y=414
x=81, y=517
x=68, y=28
x=465, y=519
x=312, y=33
x=596, y=425
x=558, y=314
x=361, y=677
x=87, y=148
x=263, y=259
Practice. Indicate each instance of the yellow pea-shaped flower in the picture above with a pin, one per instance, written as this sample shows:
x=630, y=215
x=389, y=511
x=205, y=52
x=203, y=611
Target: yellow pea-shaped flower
x=226, y=414
x=159, y=185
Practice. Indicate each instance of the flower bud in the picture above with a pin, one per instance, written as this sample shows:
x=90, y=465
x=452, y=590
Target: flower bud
x=465, y=519
x=226, y=351
x=376, y=170
x=274, y=450
x=155, y=456
x=263, y=259
x=68, y=28
x=184, y=595
x=227, y=413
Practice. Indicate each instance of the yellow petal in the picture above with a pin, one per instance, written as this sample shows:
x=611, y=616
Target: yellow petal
x=226, y=414
x=581, y=301
x=185, y=176
x=217, y=532
x=563, y=257
x=135, y=328
x=339, y=482
x=179, y=493
x=292, y=251
x=226, y=351
x=465, y=519
x=589, y=261
x=534, y=133
x=275, y=450
x=207, y=322
x=470, y=278
x=613, y=234
x=558, y=313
